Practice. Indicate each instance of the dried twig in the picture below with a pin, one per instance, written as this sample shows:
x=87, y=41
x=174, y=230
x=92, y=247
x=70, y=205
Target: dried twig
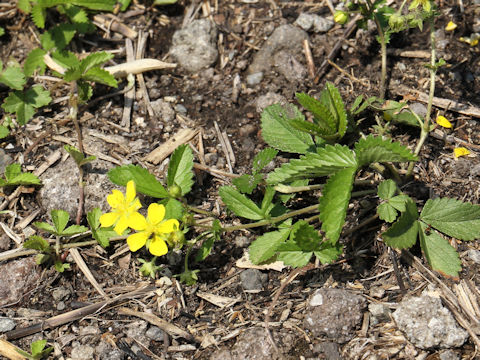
x=130, y=94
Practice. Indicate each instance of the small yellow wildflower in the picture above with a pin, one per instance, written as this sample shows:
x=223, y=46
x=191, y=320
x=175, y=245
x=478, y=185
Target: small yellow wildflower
x=152, y=229
x=123, y=207
x=426, y=5
x=450, y=26
x=460, y=151
x=443, y=122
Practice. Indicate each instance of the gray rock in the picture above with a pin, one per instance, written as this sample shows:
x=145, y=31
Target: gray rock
x=106, y=352
x=288, y=38
x=136, y=330
x=60, y=293
x=255, y=344
x=5, y=160
x=17, y=278
x=6, y=324
x=427, y=323
x=163, y=110
x=255, y=78
x=330, y=350
x=155, y=333
x=181, y=109
x=474, y=255
x=221, y=355
x=253, y=279
x=268, y=99
x=61, y=305
x=194, y=47
x=314, y=22
x=334, y=313
x=241, y=241
x=82, y=352
x=378, y=313
x=448, y=355
x=289, y=67
x=419, y=109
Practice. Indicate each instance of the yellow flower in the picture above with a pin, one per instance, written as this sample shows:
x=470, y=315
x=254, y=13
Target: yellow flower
x=153, y=229
x=426, y=5
x=443, y=122
x=460, y=151
x=450, y=26
x=123, y=207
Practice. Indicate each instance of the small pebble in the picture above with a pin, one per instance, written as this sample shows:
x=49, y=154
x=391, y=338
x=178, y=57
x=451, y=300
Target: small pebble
x=252, y=279
x=155, y=333
x=180, y=109
x=474, y=255
x=254, y=79
x=6, y=324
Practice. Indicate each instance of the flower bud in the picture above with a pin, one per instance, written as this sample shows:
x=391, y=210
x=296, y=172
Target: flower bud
x=396, y=22
x=175, y=191
x=340, y=17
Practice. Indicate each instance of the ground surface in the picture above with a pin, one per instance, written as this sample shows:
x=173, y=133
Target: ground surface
x=220, y=96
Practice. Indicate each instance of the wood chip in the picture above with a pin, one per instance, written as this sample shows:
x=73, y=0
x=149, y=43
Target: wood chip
x=245, y=263
x=113, y=24
x=217, y=300
x=163, y=151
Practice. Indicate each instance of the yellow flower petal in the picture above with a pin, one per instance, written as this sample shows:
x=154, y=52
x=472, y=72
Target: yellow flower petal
x=442, y=121
x=158, y=247
x=108, y=219
x=167, y=226
x=460, y=151
x=130, y=192
x=122, y=225
x=450, y=26
x=137, y=241
x=137, y=221
x=115, y=198
x=156, y=213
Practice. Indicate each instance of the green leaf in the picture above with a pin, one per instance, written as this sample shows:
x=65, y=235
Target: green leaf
x=94, y=60
x=328, y=252
x=45, y=227
x=85, y=90
x=102, y=235
x=13, y=77
x=34, y=61
x=453, y=217
x=12, y=171
x=60, y=266
x=333, y=203
x=2, y=31
x=4, y=131
x=326, y=161
x=375, y=149
x=100, y=5
x=305, y=235
x=145, y=182
x=324, y=119
x=38, y=243
x=292, y=255
x=14, y=176
x=24, y=104
x=80, y=18
x=60, y=219
x=240, y=204
x=441, y=256
x=403, y=233
x=247, y=183
x=38, y=15
x=73, y=230
x=264, y=247
x=263, y=158
x=66, y=59
x=100, y=76
x=267, y=199
x=25, y=6
x=386, y=189
x=77, y=156
x=37, y=347
x=207, y=245
x=280, y=134
x=399, y=202
x=37, y=97
x=180, y=169
x=339, y=107
x=387, y=212
x=173, y=209
x=58, y=37
x=312, y=129
x=125, y=4
x=164, y=2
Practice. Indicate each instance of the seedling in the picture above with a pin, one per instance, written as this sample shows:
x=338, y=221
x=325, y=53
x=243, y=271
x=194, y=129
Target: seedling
x=37, y=350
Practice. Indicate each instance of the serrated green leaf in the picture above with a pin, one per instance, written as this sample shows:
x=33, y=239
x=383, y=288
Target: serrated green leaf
x=278, y=133
x=45, y=227
x=60, y=266
x=339, y=106
x=292, y=255
x=328, y=252
x=399, y=202
x=66, y=59
x=37, y=96
x=312, y=129
x=38, y=243
x=145, y=182
x=77, y=156
x=356, y=103
x=73, y=230
x=100, y=76
x=173, y=209
x=386, y=189
x=180, y=169
x=264, y=247
x=80, y=18
x=94, y=60
x=25, y=179
x=25, y=6
x=100, y=5
x=60, y=219
x=375, y=149
x=38, y=15
x=24, y=104
x=326, y=161
x=125, y=4
x=263, y=158
x=34, y=61
x=37, y=346
x=305, y=236
x=441, y=256
x=164, y=2
x=333, y=203
x=403, y=234
x=85, y=90
x=323, y=117
x=58, y=37
x=240, y=204
x=247, y=183
x=72, y=74
x=267, y=200
x=12, y=171
x=102, y=235
x=453, y=217
x=387, y=212
x=13, y=77
x=4, y=131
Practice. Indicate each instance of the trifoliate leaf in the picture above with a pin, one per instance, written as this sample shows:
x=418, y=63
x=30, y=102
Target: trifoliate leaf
x=100, y=76
x=291, y=254
x=60, y=219
x=387, y=212
x=441, y=256
x=145, y=182
x=326, y=161
x=58, y=37
x=14, y=176
x=240, y=204
x=375, y=149
x=399, y=202
x=73, y=230
x=333, y=203
x=460, y=151
x=386, y=189
x=24, y=104
x=247, y=183
x=453, y=217
x=280, y=134
x=180, y=169
x=34, y=61
x=264, y=247
x=403, y=233
x=13, y=77
x=263, y=158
